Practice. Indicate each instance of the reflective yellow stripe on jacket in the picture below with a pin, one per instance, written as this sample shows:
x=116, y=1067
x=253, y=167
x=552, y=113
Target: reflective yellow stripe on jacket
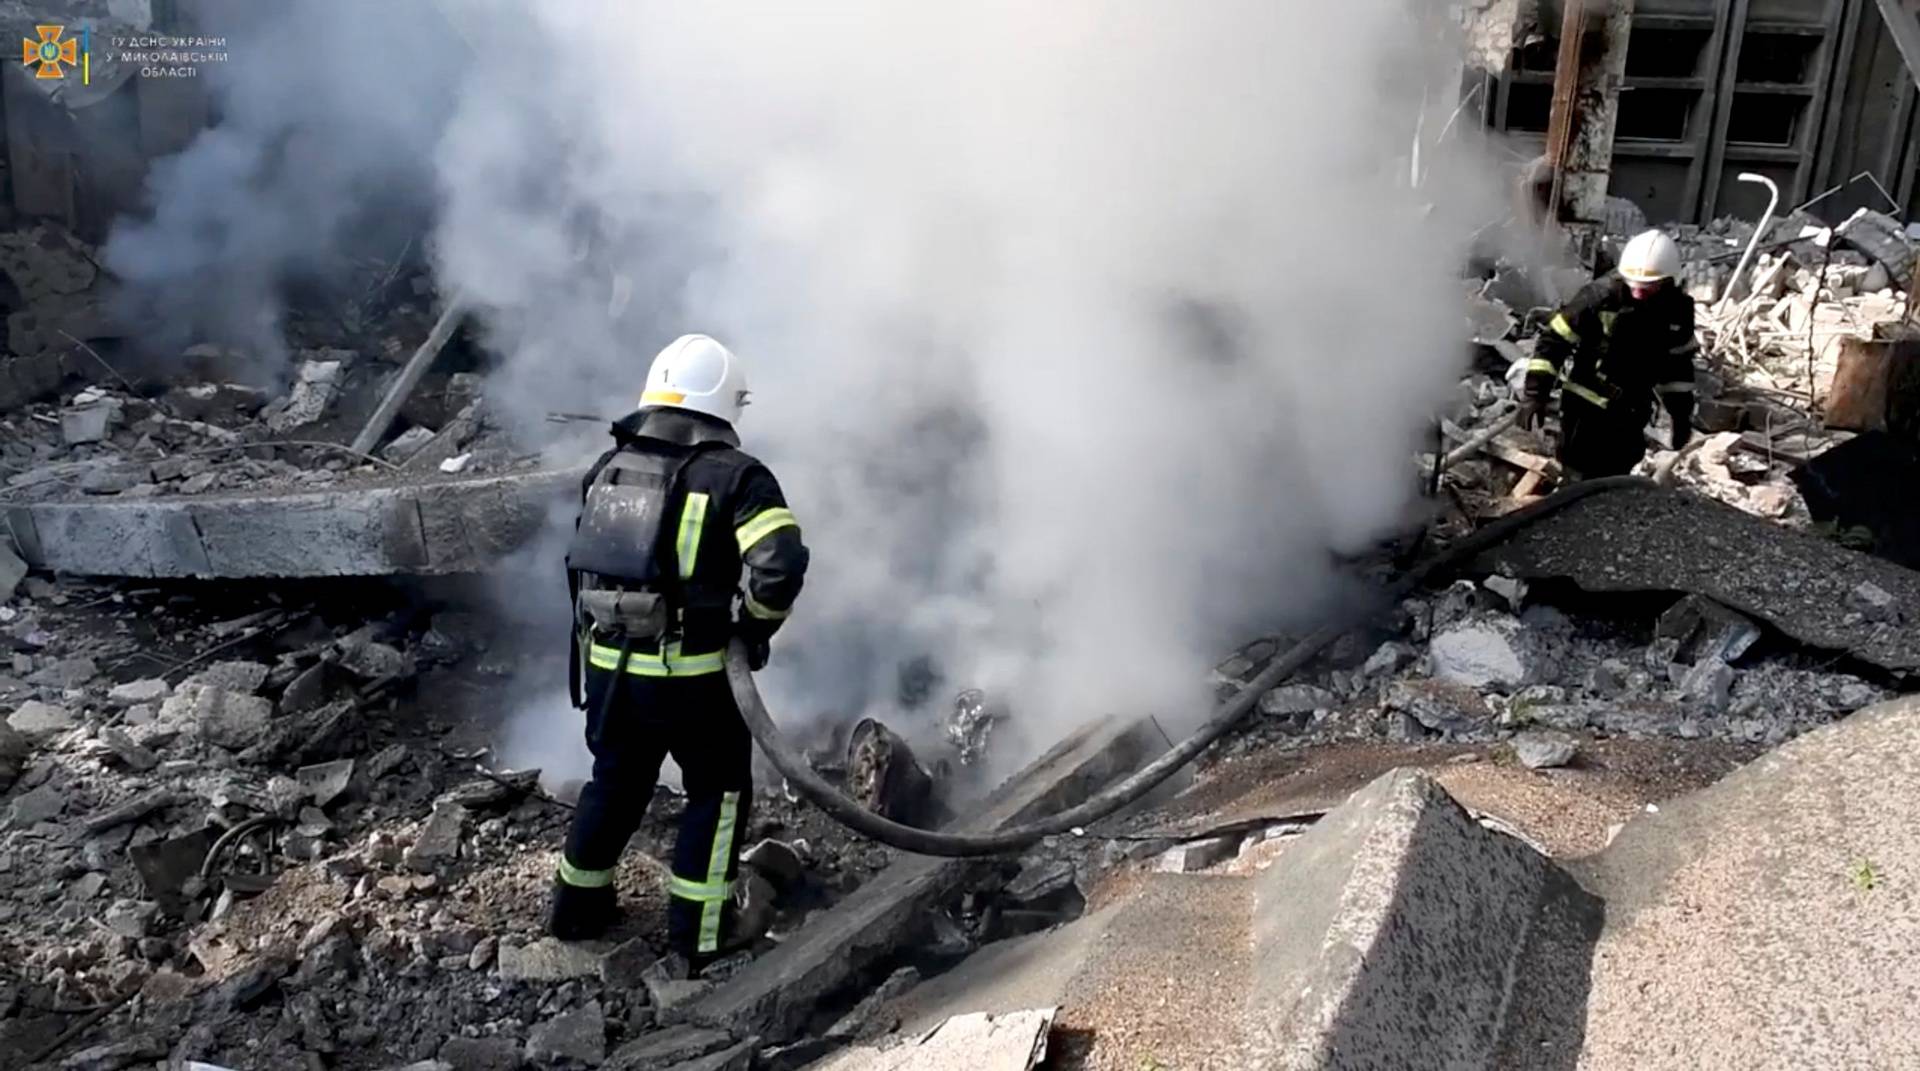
x=764, y=613
x=693, y=521
x=671, y=662
x=764, y=523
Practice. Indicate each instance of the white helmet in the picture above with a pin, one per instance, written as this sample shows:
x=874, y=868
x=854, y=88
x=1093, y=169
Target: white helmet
x=697, y=374
x=1649, y=258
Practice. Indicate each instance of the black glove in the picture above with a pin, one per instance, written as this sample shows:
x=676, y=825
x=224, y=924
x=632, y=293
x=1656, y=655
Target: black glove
x=1682, y=432
x=757, y=635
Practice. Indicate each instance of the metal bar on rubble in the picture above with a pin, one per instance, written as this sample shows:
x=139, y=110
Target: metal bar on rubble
x=416, y=367
x=1766, y=220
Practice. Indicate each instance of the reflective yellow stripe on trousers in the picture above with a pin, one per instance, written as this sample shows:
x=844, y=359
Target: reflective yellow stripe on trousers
x=1575, y=388
x=583, y=879
x=669, y=663
x=717, y=861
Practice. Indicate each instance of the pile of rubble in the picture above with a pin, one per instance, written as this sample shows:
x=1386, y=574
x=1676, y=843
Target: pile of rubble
x=1480, y=663
x=276, y=851
x=215, y=437
x=1779, y=328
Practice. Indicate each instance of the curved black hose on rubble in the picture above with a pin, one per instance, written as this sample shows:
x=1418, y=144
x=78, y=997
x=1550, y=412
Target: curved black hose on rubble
x=927, y=842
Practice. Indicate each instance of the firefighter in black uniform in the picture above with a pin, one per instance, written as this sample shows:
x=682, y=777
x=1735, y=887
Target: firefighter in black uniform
x=670, y=519
x=1621, y=342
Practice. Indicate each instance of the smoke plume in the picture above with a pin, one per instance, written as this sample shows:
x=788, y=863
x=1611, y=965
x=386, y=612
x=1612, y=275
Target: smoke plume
x=1081, y=334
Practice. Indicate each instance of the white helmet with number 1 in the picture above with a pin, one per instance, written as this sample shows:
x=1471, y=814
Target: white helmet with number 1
x=699, y=375
x=1649, y=258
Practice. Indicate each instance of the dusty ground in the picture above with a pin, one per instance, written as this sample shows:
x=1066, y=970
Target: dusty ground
x=1566, y=810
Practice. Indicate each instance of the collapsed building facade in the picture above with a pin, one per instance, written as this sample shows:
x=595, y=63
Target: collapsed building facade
x=257, y=811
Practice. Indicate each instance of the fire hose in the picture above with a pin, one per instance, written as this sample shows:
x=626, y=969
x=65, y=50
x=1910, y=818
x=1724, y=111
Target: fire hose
x=824, y=795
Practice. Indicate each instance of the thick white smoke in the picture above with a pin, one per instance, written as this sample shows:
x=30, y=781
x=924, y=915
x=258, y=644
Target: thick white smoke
x=1081, y=333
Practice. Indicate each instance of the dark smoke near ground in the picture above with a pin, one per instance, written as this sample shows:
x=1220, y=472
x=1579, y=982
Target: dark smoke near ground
x=1082, y=335
x=328, y=114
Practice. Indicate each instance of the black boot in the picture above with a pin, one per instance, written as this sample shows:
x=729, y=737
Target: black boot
x=581, y=914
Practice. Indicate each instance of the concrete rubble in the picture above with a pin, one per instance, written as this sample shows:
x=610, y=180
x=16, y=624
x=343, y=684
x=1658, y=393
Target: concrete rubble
x=266, y=824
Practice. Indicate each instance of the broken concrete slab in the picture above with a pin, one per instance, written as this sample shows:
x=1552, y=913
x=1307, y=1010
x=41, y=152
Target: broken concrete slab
x=1391, y=932
x=65, y=673
x=1703, y=629
x=325, y=781
x=313, y=391
x=227, y=719
x=1539, y=749
x=578, y=1037
x=38, y=721
x=773, y=995
x=12, y=571
x=1488, y=650
x=14, y=749
x=1196, y=855
x=35, y=806
x=436, y=525
x=1166, y=926
x=665, y=1048
x=547, y=960
x=1443, y=706
x=439, y=840
x=1790, y=885
x=150, y=690
x=1655, y=539
x=1011, y=1041
x=737, y=1058
x=234, y=676
x=480, y=1054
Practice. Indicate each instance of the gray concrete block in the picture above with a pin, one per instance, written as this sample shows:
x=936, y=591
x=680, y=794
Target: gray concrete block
x=1388, y=935
x=339, y=533
x=107, y=539
x=439, y=527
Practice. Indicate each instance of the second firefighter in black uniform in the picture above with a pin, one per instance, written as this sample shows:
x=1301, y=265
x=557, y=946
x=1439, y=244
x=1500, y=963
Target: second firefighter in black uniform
x=671, y=518
x=1623, y=342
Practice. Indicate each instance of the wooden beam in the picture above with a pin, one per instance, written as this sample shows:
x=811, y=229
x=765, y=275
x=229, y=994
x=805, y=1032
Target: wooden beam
x=409, y=377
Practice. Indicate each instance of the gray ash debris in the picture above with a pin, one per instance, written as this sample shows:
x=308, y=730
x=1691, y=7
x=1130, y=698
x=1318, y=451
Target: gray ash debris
x=1465, y=668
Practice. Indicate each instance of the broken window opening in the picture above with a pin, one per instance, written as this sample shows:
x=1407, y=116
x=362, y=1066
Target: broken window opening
x=1785, y=58
x=1529, y=106
x=1665, y=53
x=1541, y=54
x=1656, y=114
x=1764, y=119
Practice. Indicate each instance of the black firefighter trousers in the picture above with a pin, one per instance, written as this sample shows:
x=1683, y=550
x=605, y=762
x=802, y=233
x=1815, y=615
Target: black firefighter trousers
x=1596, y=441
x=695, y=720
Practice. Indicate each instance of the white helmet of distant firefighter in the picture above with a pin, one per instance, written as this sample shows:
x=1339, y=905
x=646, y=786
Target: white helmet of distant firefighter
x=697, y=374
x=1651, y=257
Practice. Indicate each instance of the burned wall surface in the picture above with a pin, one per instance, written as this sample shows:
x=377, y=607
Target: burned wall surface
x=1809, y=94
